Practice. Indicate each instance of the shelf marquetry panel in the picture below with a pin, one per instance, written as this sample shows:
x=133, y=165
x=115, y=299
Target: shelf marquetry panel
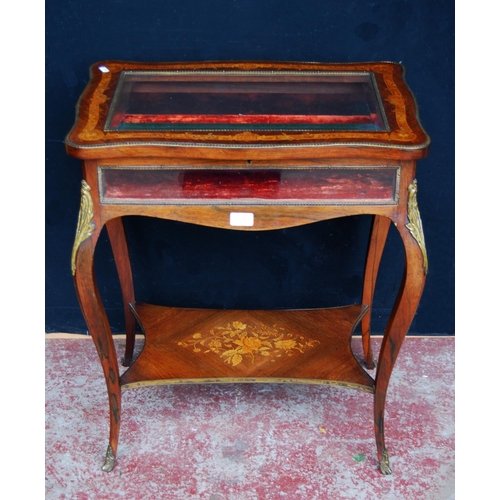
x=210, y=346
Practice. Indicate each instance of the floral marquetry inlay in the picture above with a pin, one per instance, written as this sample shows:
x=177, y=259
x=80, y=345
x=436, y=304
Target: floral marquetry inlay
x=238, y=342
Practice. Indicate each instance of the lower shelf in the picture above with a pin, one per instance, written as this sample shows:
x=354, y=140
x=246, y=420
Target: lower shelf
x=225, y=346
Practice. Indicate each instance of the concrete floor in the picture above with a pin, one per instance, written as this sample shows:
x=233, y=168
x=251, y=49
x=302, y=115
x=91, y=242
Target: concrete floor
x=250, y=441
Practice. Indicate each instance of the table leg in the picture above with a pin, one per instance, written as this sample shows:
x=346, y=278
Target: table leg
x=93, y=311
x=401, y=317
x=119, y=247
x=380, y=229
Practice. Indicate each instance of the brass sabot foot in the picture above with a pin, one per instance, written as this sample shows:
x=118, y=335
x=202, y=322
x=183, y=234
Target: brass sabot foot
x=385, y=466
x=109, y=461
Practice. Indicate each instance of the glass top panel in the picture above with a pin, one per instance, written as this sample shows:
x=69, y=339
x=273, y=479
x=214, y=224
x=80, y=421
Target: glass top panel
x=272, y=101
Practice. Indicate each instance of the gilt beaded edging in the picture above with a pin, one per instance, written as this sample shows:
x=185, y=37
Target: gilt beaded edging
x=249, y=380
x=248, y=146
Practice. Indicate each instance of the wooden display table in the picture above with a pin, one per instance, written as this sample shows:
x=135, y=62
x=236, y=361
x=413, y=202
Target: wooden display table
x=247, y=146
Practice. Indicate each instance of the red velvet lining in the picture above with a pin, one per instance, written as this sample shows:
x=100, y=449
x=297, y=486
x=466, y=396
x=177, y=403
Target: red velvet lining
x=248, y=119
x=286, y=184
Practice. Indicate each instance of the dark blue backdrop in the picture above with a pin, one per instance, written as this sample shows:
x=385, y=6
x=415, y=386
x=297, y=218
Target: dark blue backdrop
x=315, y=265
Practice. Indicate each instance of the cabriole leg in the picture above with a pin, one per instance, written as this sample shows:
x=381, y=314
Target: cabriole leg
x=380, y=229
x=119, y=247
x=401, y=317
x=82, y=266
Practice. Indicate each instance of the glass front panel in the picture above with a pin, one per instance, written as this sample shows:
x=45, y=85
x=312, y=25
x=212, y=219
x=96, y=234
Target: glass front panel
x=250, y=101
x=278, y=186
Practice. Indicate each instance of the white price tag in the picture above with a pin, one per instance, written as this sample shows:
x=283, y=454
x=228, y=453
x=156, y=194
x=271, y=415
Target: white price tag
x=241, y=219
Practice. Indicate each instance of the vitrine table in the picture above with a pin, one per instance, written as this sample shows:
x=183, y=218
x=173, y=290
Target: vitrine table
x=249, y=146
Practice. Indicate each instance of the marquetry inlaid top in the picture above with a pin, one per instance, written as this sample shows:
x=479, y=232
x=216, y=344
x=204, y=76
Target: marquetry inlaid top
x=140, y=109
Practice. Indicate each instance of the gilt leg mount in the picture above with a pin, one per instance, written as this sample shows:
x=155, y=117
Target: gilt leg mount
x=109, y=461
x=85, y=226
x=415, y=223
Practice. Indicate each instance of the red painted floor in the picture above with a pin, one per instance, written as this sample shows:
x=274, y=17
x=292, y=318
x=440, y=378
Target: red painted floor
x=250, y=441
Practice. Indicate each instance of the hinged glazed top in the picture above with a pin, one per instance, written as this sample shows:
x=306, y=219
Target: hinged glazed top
x=141, y=109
